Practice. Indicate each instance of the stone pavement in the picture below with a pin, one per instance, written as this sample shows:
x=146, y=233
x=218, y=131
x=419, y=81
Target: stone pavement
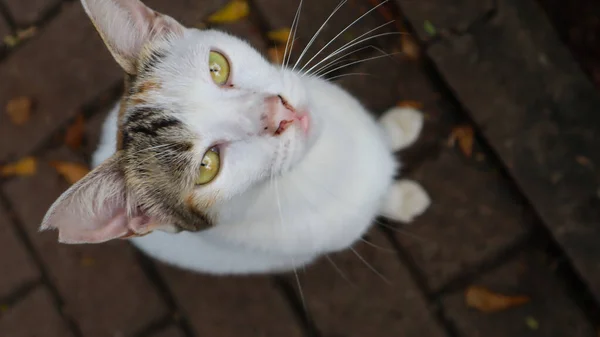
x=515, y=216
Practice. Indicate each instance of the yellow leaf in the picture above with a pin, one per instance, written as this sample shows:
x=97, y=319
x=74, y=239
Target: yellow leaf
x=72, y=172
x=87, y=261
x=19, y=110
x=280, y=35
x=410, y=48
x=24, y=167
x=275, y=54
x=410, y=104
x=487, y=301
x=233, y=11
x=74, y=133
x=464, y=135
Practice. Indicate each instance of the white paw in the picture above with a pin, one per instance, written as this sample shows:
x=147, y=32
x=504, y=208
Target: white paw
x=402, y=126
x=405, y=201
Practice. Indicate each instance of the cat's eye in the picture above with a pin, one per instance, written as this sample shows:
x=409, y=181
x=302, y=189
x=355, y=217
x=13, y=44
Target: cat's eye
x=209, y=168
x=219, y=67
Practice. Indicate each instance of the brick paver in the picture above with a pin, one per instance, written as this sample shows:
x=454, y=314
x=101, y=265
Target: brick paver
x=346, y=297
x=232, y=306
x=35, y=315
x=539, y=112
x=14, y=258
x=25, y=13
x=103, y=286
x=68, y=54
x=443, y=16
x=550, y=313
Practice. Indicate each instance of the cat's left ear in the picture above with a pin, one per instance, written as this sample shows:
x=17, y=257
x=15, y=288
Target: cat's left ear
x=127, y=25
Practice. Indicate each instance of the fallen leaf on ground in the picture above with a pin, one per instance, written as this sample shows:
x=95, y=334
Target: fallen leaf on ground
x=13, y=40
x=584, y=161
x=280, y=35
x=87, y=261
x=19, y=110
x=24, y=167
x=532, y=323
x=410, y=104
x=464, y=136
x=233, y=11
x=72, y=172
x=429, y=28
x=487, y=301
x=3, y=307
x=74, y=133
x=275, y=54
x=410, y=49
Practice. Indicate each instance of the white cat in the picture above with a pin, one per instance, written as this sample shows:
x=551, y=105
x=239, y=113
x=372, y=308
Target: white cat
x=217, y=161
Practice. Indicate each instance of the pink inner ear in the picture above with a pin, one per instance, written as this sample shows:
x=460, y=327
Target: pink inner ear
x=119, y=226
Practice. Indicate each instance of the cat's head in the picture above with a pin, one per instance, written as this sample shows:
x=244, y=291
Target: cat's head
x=204, y=118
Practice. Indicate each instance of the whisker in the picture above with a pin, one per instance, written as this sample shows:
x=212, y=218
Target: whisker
x=369, y=243
x=355, y=62
x=370, y=266
x=342, y=274
x=317, y=33
x=349, y=74
x=340, y=33
x=294, y=28
x=404, y=232
x=339, y=50
x=340, y=59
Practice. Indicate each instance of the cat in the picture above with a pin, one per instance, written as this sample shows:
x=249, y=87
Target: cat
x=217, y=161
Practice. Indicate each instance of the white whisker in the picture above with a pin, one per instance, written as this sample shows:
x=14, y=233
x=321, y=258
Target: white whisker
x=369, y=243
x=340, y=33
x=340, y=59
x=342, y=48
x=294, y=28
x=355, y=62
x=317, y=33
x=370, y=266
x=342, y=274
x=349, y=74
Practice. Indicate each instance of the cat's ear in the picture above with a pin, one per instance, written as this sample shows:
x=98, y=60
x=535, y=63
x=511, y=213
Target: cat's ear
x=94, y=209
x=127, y=25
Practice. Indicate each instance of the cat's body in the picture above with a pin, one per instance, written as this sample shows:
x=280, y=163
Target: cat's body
x=287, y=192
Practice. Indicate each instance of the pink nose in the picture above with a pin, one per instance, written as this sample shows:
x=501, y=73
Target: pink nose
x=281, y=115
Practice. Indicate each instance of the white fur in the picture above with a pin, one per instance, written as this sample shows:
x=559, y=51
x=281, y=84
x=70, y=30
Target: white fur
x=281, y=202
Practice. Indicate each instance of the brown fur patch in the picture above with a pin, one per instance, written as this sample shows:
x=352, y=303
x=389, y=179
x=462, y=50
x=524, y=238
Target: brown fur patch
x=149, y=85
x=196, y=205
x=129, y=79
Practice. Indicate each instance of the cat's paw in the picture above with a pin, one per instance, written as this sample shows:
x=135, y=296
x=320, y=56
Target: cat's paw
x=405, y=200
x=402, y=126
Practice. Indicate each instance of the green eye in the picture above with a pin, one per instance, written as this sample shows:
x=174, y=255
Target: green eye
x=219, y=67
x=211, y=163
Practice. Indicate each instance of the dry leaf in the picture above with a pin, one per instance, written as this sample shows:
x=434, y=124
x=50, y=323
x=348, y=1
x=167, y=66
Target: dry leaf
x=87, y=261
x=584, y=161
x=276, y=54
x=3, y=307
x=487, y=301
x=410, y=104
x=280, y=35
x=74, y=133
x=72, y=172
x=410, y=49
x=19, y=110
x=13, y=40
x=233, y=11
x=24, y=167
x=464, y=136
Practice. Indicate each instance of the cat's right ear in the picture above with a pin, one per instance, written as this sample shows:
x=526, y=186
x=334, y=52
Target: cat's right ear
x=127, y=25
x=95, y=209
